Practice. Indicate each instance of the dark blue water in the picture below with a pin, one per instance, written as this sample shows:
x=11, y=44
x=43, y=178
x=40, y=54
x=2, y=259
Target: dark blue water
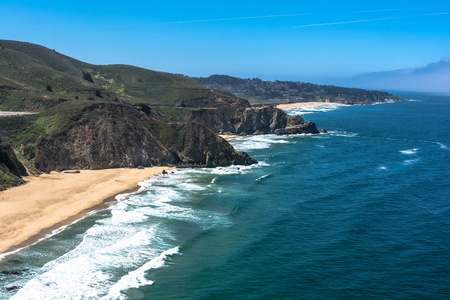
x=360, y=212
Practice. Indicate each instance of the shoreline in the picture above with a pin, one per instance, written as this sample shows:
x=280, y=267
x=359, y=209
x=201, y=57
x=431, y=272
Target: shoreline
x=34, y=211
x=305, y=104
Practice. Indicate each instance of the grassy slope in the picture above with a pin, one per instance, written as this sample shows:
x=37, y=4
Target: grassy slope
x=27, y=71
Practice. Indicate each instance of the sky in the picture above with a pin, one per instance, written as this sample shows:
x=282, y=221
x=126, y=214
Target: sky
x=285, y=40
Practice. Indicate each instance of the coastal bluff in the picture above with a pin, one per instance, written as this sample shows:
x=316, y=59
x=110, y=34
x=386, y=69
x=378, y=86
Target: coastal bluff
x=89, y=116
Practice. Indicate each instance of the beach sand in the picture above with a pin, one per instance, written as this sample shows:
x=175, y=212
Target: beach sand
x=304, y=104
x=229, y=136
x=50, y=201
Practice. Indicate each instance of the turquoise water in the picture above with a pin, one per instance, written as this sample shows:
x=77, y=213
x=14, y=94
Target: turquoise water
x=360, y=212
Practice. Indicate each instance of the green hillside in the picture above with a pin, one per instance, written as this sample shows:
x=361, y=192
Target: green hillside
x=35, y=78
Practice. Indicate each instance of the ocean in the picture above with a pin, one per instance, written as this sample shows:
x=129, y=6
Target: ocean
x=362, y=211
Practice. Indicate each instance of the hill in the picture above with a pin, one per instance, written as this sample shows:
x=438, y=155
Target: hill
x=95, y=116
x=35, y=78
x=258, y=91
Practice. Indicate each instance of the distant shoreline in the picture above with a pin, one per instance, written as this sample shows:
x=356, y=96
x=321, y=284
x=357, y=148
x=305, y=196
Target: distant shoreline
x=33, y=211
x=305, y=104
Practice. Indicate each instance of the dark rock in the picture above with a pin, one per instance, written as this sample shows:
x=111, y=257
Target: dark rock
x=196, y=145
x=12, y=288
x=323, y=130
x=10, y=273
x=140, y=167
x=120, y=136
x=252, y=121
x=164, y=172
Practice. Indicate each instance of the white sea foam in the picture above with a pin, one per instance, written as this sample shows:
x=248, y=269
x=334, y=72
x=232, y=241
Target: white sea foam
x=136, y=278
x=263, y=177
x=259, y=141
x=343, y=133
x=410, y=151
x=410, y=161
x=382, y=168
x=383, y=102
x=442, y=146
x=313, y=109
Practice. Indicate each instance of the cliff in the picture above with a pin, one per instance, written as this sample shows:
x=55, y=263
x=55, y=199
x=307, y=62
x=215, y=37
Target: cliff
x=11, y=169
x=252, y=121
x=112, y=135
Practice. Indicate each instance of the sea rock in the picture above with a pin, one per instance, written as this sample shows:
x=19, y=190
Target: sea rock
x=323, y=130
x=12, y=288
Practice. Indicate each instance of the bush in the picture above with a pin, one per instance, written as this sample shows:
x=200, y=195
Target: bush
x=87, y=77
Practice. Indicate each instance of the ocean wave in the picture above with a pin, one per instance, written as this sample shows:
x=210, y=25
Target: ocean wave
x=313, y=109
x=233, y=169
x=409, y=151
x=343, y=134
x=259, y=141
x=264, y=177
x=136, y=278
x=442, y=146
x=410, y=161
x=383, y=102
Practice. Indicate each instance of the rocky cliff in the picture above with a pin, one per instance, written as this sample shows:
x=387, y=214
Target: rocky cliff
x=119, y=136
x=252, y=121
x=11, y=170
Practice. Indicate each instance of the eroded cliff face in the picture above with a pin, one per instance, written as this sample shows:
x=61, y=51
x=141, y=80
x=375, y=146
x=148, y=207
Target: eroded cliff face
x=195, y=145
x=120, y=136
x=252, y=121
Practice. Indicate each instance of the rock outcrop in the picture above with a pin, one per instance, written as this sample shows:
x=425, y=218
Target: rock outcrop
x=120, y=136
x=252, y=121
x=11, y=169
x=195, y=145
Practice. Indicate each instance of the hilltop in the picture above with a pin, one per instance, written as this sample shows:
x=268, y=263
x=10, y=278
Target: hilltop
x=258, y=91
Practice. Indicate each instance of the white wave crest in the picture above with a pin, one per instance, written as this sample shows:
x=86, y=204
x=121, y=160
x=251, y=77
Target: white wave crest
x=409, y=151
x=442, y=146
x=343, y=133
x=258, y=142
x=263, y=177
x=136, y=278
x=410, y=161
x=313, y=109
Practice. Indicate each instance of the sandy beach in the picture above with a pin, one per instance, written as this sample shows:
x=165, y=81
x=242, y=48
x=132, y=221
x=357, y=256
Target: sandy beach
x=49, y=201
x=304, y=104
x=228, y=136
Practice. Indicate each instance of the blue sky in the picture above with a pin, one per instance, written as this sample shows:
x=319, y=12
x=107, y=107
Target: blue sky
x=286, y=40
